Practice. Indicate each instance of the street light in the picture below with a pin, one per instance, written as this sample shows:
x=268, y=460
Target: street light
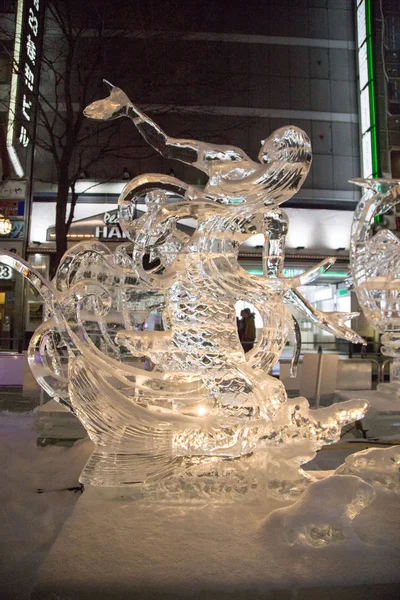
x=5, y=225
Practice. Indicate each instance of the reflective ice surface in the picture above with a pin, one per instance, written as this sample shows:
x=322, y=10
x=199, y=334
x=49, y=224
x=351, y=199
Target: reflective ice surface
x=375, y=266
x=323, y=515
x=181, y=401
x=378, y=466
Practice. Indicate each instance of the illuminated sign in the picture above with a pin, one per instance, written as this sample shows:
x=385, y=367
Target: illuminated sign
x=295, y=272
x=111, y=229
x=24, y=82
x=16, y=233
x=369, y=152
x=103, y=226
x=5, y=272
x=286, y=272
x=12, y=208
x=292, y=272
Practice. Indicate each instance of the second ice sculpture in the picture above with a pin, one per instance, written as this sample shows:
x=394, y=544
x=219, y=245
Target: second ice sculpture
x=375, y=266
x=182, y=404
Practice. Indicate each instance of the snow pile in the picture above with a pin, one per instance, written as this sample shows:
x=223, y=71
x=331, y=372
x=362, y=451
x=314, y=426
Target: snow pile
x=378, y=466
x=117, y=544
x=323, y=514
x=30, y=522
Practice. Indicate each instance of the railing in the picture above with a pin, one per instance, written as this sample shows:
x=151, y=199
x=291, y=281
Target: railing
x=10, y=344
x=14, y=344
x=383, y=366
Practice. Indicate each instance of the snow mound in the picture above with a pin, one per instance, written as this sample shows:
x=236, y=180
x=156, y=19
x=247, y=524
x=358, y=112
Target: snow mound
x=377, y=466
x=322, y=515
x=30, y=522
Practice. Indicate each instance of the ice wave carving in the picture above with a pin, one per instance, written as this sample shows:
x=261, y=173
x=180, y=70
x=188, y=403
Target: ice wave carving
x=378, y=466
x=184, y=400
x=323, y=514
x=375, y=267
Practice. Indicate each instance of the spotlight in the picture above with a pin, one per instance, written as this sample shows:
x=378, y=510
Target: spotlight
x=5, y=225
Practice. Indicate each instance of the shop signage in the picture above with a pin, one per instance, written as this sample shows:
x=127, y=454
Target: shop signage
x=12, y=208
x=5, y=272
x=12, y=190
x=111, y=229
x=292, y=272
x=24, y=82
x=103, y=226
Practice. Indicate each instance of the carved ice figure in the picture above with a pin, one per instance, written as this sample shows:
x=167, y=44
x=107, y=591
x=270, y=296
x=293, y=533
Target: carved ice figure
x=322, y=515
x=204, y=402
x=375, y=268
x=378, y=466
x=285, y=478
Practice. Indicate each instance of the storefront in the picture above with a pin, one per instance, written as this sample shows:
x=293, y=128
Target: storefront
x=11, y=286
x=313, y=235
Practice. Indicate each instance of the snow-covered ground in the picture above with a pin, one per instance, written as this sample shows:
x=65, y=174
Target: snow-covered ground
x=30, y=522
x=100, y=545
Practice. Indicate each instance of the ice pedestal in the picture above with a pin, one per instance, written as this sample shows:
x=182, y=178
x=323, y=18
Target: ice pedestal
x=118, y=546
x=53, y=421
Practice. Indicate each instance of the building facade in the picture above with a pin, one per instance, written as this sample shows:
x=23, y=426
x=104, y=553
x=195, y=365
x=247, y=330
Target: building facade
x=229, y=75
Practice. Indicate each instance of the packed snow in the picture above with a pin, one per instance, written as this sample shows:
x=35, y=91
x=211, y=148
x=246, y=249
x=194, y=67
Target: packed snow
x=117, y=545
x=30, y=521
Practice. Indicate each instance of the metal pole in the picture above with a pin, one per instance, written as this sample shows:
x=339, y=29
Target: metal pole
x=319, y=377
x=25, y=244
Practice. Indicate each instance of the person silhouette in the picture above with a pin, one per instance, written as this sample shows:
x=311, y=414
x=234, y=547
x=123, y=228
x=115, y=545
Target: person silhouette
x=248, y=333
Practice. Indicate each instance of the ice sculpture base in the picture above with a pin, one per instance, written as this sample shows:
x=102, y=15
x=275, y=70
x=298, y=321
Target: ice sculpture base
x=54, y=422
x=114, y=546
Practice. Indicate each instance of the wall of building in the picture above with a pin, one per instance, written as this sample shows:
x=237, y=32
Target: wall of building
x=234, y=75
x=231, y=73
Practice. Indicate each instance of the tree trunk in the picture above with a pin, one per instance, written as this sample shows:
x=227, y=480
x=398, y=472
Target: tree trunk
x=61, y=218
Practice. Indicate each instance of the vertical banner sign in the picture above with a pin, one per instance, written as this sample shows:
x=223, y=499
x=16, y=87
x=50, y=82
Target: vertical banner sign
x=29, y=28
x=366, y=88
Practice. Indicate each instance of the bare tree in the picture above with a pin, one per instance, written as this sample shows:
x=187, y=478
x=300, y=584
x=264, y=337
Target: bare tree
x=135, y=45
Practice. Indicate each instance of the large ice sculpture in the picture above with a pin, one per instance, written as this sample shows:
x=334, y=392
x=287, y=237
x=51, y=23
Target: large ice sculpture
x=375, y=267
x=185, y=402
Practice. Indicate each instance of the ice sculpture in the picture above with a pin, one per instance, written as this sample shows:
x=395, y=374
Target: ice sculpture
x=378, y=466
x=184, y=403
x=375, y=268
x=323, y=515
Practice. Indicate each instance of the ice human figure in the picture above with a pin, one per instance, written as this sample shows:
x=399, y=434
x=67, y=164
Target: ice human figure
x=375, y=268
x=235, y=180
x=205, y=403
